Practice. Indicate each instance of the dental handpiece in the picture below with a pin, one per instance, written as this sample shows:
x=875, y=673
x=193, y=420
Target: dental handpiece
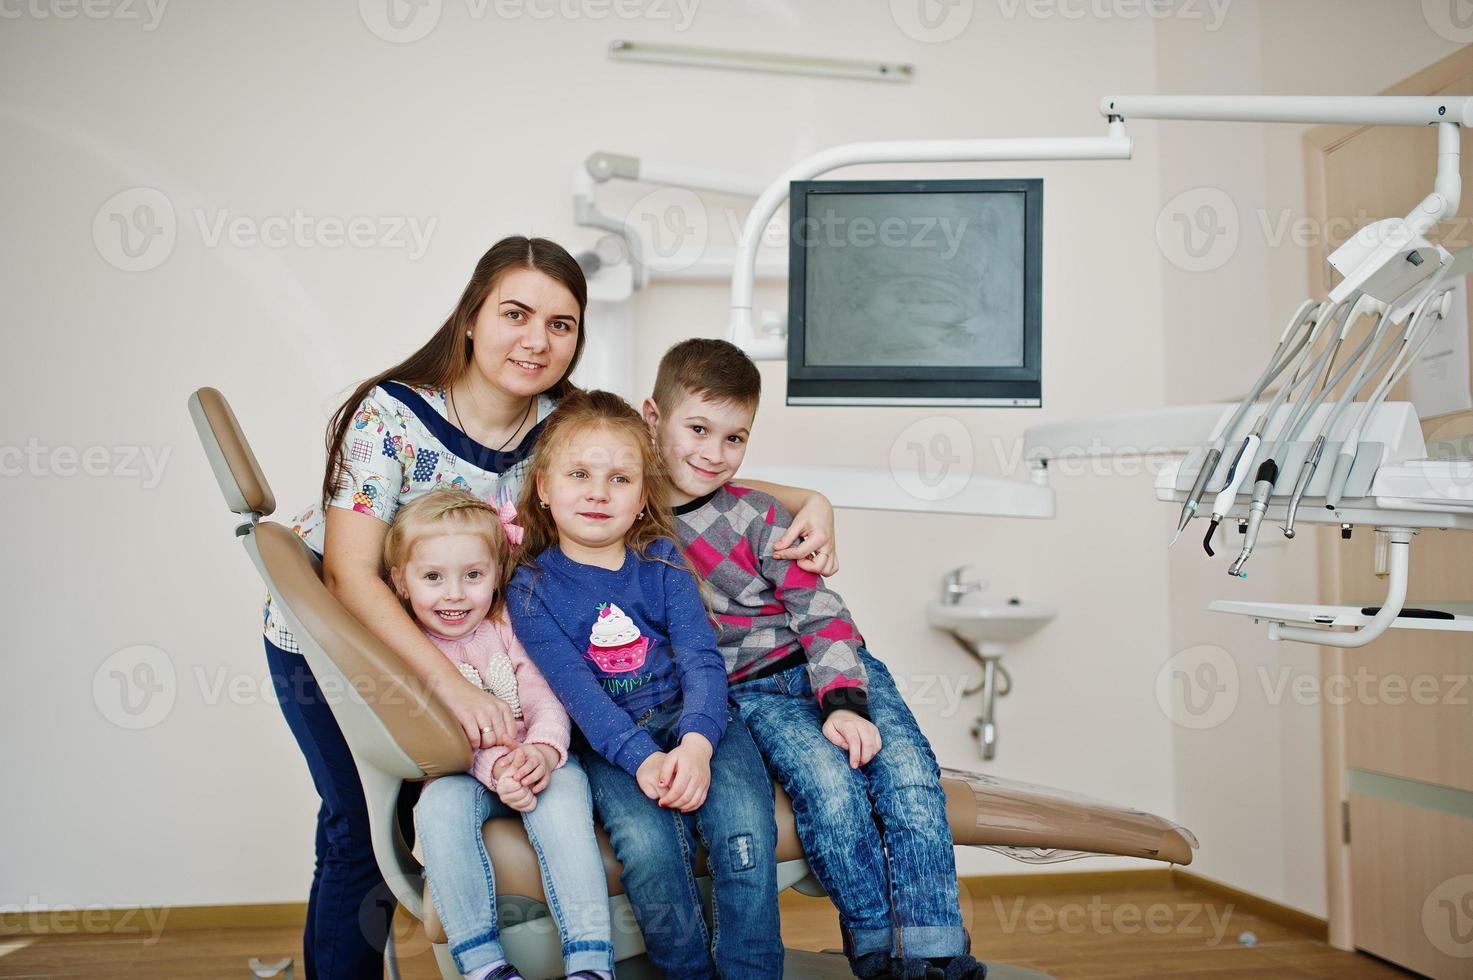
x=1406, y=356
x=1276, y=365
x=1268, y=471
x=1369, y=365
x=1268, y=474
x=1249, y=449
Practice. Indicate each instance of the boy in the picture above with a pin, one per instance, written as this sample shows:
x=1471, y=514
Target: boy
x=825, y=714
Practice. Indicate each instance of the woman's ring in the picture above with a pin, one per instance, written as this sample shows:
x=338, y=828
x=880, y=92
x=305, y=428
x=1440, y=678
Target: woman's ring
x=487, y=729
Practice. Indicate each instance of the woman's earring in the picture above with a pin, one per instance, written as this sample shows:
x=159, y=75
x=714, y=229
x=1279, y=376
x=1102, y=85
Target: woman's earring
x=467, y=335
x=542, y=504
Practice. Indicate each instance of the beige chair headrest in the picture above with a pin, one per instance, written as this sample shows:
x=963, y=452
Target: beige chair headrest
x=236, y=470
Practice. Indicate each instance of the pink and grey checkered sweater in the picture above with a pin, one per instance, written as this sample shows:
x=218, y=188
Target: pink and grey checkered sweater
x=771, y=614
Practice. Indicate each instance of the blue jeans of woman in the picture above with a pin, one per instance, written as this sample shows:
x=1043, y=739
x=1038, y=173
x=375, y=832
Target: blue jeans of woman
x=877, y=836
x=350, y=908
x=656, y=847
x=448, y=821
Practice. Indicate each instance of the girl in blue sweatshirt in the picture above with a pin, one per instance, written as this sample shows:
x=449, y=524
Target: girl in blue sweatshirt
x=610, y=612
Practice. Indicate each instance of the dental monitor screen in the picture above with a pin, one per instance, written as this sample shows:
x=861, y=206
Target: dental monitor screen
x=915, y=293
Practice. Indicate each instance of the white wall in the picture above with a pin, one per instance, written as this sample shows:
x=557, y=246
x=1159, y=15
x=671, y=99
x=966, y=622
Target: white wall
x=263, y=111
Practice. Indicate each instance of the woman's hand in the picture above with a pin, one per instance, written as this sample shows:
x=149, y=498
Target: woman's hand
x=486, y=719
x=814, y=525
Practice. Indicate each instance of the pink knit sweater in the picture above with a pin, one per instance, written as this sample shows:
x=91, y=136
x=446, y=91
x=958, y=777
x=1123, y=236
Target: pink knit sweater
x=543, y=719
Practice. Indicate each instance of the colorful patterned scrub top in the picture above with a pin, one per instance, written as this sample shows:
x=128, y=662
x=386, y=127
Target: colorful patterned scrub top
x=400, y=445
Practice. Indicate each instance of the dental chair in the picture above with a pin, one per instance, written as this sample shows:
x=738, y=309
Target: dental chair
x=400, y=732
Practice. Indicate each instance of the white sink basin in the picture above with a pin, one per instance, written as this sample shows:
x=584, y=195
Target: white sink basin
x=990, y=621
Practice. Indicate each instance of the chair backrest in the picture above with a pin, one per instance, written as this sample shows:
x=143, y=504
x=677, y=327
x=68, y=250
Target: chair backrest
x=236, y=470
x=395, y=728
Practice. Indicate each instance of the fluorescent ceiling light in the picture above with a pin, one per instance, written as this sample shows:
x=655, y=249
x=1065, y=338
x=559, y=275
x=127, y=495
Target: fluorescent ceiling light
x=788, y=64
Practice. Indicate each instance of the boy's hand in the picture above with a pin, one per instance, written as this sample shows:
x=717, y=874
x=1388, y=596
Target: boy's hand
x=858, y=736
x=648, y=775
x=685, y=775
x=515, y=795
x=814, y=525
x=541, y=760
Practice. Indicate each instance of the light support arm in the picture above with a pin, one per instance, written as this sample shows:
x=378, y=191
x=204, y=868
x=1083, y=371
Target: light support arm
x=1115, y=146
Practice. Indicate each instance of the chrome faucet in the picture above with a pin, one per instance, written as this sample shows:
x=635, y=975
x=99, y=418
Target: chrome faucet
x=953, y=588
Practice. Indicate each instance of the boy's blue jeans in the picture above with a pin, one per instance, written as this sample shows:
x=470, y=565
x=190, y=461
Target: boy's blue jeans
x=656, y=847
x=849, y=820
x=448, y=820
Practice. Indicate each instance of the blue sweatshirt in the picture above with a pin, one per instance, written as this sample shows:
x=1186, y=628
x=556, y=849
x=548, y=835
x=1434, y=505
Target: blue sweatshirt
x=615, y=643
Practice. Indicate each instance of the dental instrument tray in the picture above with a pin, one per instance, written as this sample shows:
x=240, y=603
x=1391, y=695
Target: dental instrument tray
x=1390, y=483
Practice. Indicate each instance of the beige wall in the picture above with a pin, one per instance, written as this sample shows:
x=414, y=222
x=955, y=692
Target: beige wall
x=258, y=112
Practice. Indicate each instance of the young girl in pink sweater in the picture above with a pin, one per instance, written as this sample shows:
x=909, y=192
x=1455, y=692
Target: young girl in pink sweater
x=443, y=554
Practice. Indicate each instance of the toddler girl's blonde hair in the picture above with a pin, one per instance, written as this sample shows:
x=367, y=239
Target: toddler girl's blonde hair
x=447, y=510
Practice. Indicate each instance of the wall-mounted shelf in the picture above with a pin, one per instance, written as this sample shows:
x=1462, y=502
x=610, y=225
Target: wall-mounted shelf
x=1307, y=614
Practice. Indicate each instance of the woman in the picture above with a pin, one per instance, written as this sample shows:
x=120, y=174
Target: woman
x=465, y=409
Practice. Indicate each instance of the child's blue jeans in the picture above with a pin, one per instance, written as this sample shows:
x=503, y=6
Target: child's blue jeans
x=448, y=820
x=849, y=820
x=656, y=847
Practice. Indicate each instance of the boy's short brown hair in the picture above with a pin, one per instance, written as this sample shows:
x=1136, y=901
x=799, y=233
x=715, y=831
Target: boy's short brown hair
x=713, y=369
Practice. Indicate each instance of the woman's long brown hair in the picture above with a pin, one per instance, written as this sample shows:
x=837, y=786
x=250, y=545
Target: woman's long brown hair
x=447, y=355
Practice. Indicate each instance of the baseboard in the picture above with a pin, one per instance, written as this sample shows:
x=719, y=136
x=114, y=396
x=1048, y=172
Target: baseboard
x=1247, y=901
x=150, y=921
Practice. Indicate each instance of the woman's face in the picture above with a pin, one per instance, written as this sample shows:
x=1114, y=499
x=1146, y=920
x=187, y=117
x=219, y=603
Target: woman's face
x=525, y=334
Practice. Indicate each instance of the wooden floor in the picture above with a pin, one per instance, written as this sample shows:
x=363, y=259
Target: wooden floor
x=1170, y=931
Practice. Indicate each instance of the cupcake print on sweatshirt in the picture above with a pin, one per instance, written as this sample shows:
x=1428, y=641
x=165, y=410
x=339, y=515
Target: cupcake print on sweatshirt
x=615, y=644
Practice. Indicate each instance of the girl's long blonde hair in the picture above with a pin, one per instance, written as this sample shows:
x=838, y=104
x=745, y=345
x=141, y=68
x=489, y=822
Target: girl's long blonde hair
x=579, y=412
x=447, y=510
